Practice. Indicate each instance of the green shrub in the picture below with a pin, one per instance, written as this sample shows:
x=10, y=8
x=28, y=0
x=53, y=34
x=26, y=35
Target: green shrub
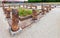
x=24, y=12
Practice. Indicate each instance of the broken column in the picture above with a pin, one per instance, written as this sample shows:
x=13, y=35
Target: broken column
x=19, y=6
x=34, y=14
x=23, y=5
x=15, y=20
x=43, y=10
x=30, y=7
x=49, y=7
x=35, y=7
x=3, y=6
x=14, y=6
x=26, y=6
x=8, y=10
x=15, y=29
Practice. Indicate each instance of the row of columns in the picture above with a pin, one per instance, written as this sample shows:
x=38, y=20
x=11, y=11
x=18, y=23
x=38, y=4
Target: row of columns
x=29, y=6
x=15, y=15
x=46, y=9
x=8, y=10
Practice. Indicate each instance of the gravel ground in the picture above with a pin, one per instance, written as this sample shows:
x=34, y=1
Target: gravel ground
x=47, y=27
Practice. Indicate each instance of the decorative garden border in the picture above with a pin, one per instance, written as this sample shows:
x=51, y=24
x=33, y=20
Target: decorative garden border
x=44, y=9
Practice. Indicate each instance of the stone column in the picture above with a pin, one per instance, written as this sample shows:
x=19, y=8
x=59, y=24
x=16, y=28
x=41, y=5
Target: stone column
x=23, y=5
x=35, y=7
x=15, y=20
x=14, y=6
x=3, y=6
x=8, y=10
x=49, y=7
x=19, y=6
x=34, y=15
x=30, y=7
x=26, y=6
x=43, y=10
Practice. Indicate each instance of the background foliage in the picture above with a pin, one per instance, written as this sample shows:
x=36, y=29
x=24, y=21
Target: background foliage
x=43, y=0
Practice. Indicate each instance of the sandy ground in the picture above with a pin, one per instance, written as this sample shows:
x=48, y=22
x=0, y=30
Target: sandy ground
x=47, y=27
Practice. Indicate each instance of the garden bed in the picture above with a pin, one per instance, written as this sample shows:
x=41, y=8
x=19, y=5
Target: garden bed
x=25, y=13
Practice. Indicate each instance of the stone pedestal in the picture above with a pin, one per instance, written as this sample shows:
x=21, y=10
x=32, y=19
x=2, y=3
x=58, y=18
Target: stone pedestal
x=12, y=33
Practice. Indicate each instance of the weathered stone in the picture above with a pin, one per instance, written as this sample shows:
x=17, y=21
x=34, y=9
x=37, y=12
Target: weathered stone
x=15, y=20
x=34, y=15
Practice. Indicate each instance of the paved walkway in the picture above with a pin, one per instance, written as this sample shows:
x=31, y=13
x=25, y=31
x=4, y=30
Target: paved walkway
x=47, y=27
x=3, y=25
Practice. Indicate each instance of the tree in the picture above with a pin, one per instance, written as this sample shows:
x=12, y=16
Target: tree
x=43, y=0
x=34, y=0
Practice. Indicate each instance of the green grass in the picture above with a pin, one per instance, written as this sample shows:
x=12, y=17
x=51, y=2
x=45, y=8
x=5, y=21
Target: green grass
x=24, y=12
